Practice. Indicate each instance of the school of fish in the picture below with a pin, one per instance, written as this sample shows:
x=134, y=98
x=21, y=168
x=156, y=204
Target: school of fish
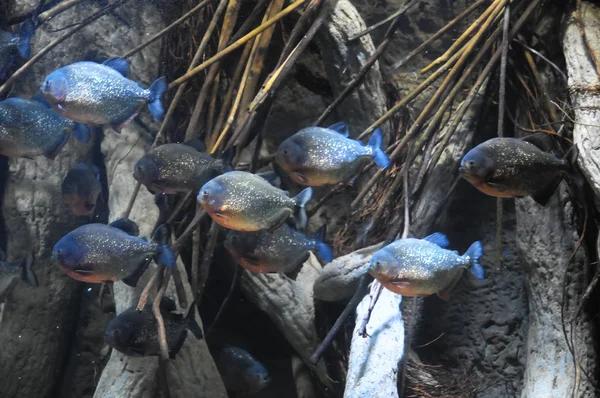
x=267, y=226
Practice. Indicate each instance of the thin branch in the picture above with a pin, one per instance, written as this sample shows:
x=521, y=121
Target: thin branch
x=236, y=273
x=376, y=289
x=207, y=257
x=188, y=231
x=177, y=279
x=59, y=8
x=395, y=14
x=162, y=334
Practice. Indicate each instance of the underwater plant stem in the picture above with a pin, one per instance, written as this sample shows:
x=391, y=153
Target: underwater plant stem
x=59, y=8
x=188, y=231
x=250, y=20
x=578, y=15
x=162, y=334
x=180, y=290
x=207, y=258
x=298, y=29
x=236, y=274
x=491, y=10
x=166, y=30
x=183, y=202
x=236, y=44
x=195, y=259
x=395, y=14
x=440, y=32
x=229, y=21
x=9, y=82
x=431, y=104
x=352, y=304
x=146, y=292
x=376, y=289
x=367, y=66
x=134, y=194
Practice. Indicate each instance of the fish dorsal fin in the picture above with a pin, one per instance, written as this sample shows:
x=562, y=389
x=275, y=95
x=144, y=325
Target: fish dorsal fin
x=196, y=144
x=341, y=128
x=2, y=255
x=118, y=64
x=438, y=238
x=540, y=140
x=126, y=225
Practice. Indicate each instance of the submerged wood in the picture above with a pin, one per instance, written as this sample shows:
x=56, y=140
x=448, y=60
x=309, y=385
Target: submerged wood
x=374, y=359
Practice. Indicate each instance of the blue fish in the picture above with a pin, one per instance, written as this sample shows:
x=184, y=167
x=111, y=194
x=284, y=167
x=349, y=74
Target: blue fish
x=242, y=374
x=97, y=253
x=318, y=156
x=421, y=267
x=29, y=128
x=101, y=94
x=12, y=44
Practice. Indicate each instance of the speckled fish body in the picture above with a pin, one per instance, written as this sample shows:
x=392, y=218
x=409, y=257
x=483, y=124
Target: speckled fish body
x=81, y=189
x=512, y=168
x=242, y=374
x=421, y=267
x=283, y=251
x=97, y=94
x=11, y=274
x=246, y=202
x=97, y=253
x=135, y=333
x=29, y=129
x=318, y=156
x=176, y=168
x=12, y=44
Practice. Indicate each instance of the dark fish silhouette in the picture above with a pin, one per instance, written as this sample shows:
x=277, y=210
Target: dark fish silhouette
x=515, y=168
x=281, y=251
x=13, y=44
x=81, y=188
x=10, y=274
x=242, y=374
x=100, y=94
x=97, y=253
x=135, y=333
x=247, y=202
x=320, y=156
x=421, y=267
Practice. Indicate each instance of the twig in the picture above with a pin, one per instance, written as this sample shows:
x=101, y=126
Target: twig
x=440, y=32
x=179, y=287
x=146, y=292
x=236, y=45
x=358, y=295
x=501, y=107
x=162, y=335
x=195, y=258
x=9, y=82
x=160, y=34
x=534, y=51
x=230, y=19
x=337, y=188
x=207, y=257
x=59, y=8
x=579, y=20
x=188, y=231
x=376, y=289
x=236, y=274
x=356, y=81
x=298, y=30
x=183, y=202
x=395, y=14
x=250, y=20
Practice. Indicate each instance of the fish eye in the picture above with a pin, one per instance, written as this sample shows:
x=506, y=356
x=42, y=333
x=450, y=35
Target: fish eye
x=285, y=151
x=471, y=163
x=205, y=193
x=377, y=263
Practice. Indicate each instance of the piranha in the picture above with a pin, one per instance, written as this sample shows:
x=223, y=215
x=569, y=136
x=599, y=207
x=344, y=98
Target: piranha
x=97, y=253
x=318, y=156
x=101, y=94
x=178, y=168
x=81, y=188
x=135, y=333
x=242, y=374
x=10, y=274
x=515, y=168
x=421, y=267
x=29, y=128
x=12, y=44
x=247, y=202
x=281, y=251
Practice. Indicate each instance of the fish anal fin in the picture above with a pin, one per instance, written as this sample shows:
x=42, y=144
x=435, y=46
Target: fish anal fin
x=543, y=196
x=173, y=351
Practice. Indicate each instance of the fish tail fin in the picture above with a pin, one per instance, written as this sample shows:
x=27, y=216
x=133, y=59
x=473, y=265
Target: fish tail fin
x=157, y=89
x=475, y=252
x=27, y=274
x=25, y=34
x=323, y=251
x=192, y=324
x=82, y=132
x=380, y=158
x=300, y=214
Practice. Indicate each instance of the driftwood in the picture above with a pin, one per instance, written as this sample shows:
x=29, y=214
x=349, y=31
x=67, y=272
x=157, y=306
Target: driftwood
x=374, y=360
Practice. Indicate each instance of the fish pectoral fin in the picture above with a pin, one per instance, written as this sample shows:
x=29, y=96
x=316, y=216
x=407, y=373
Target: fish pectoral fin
x=496, y=186
x=82, y=271
x=401, y=284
